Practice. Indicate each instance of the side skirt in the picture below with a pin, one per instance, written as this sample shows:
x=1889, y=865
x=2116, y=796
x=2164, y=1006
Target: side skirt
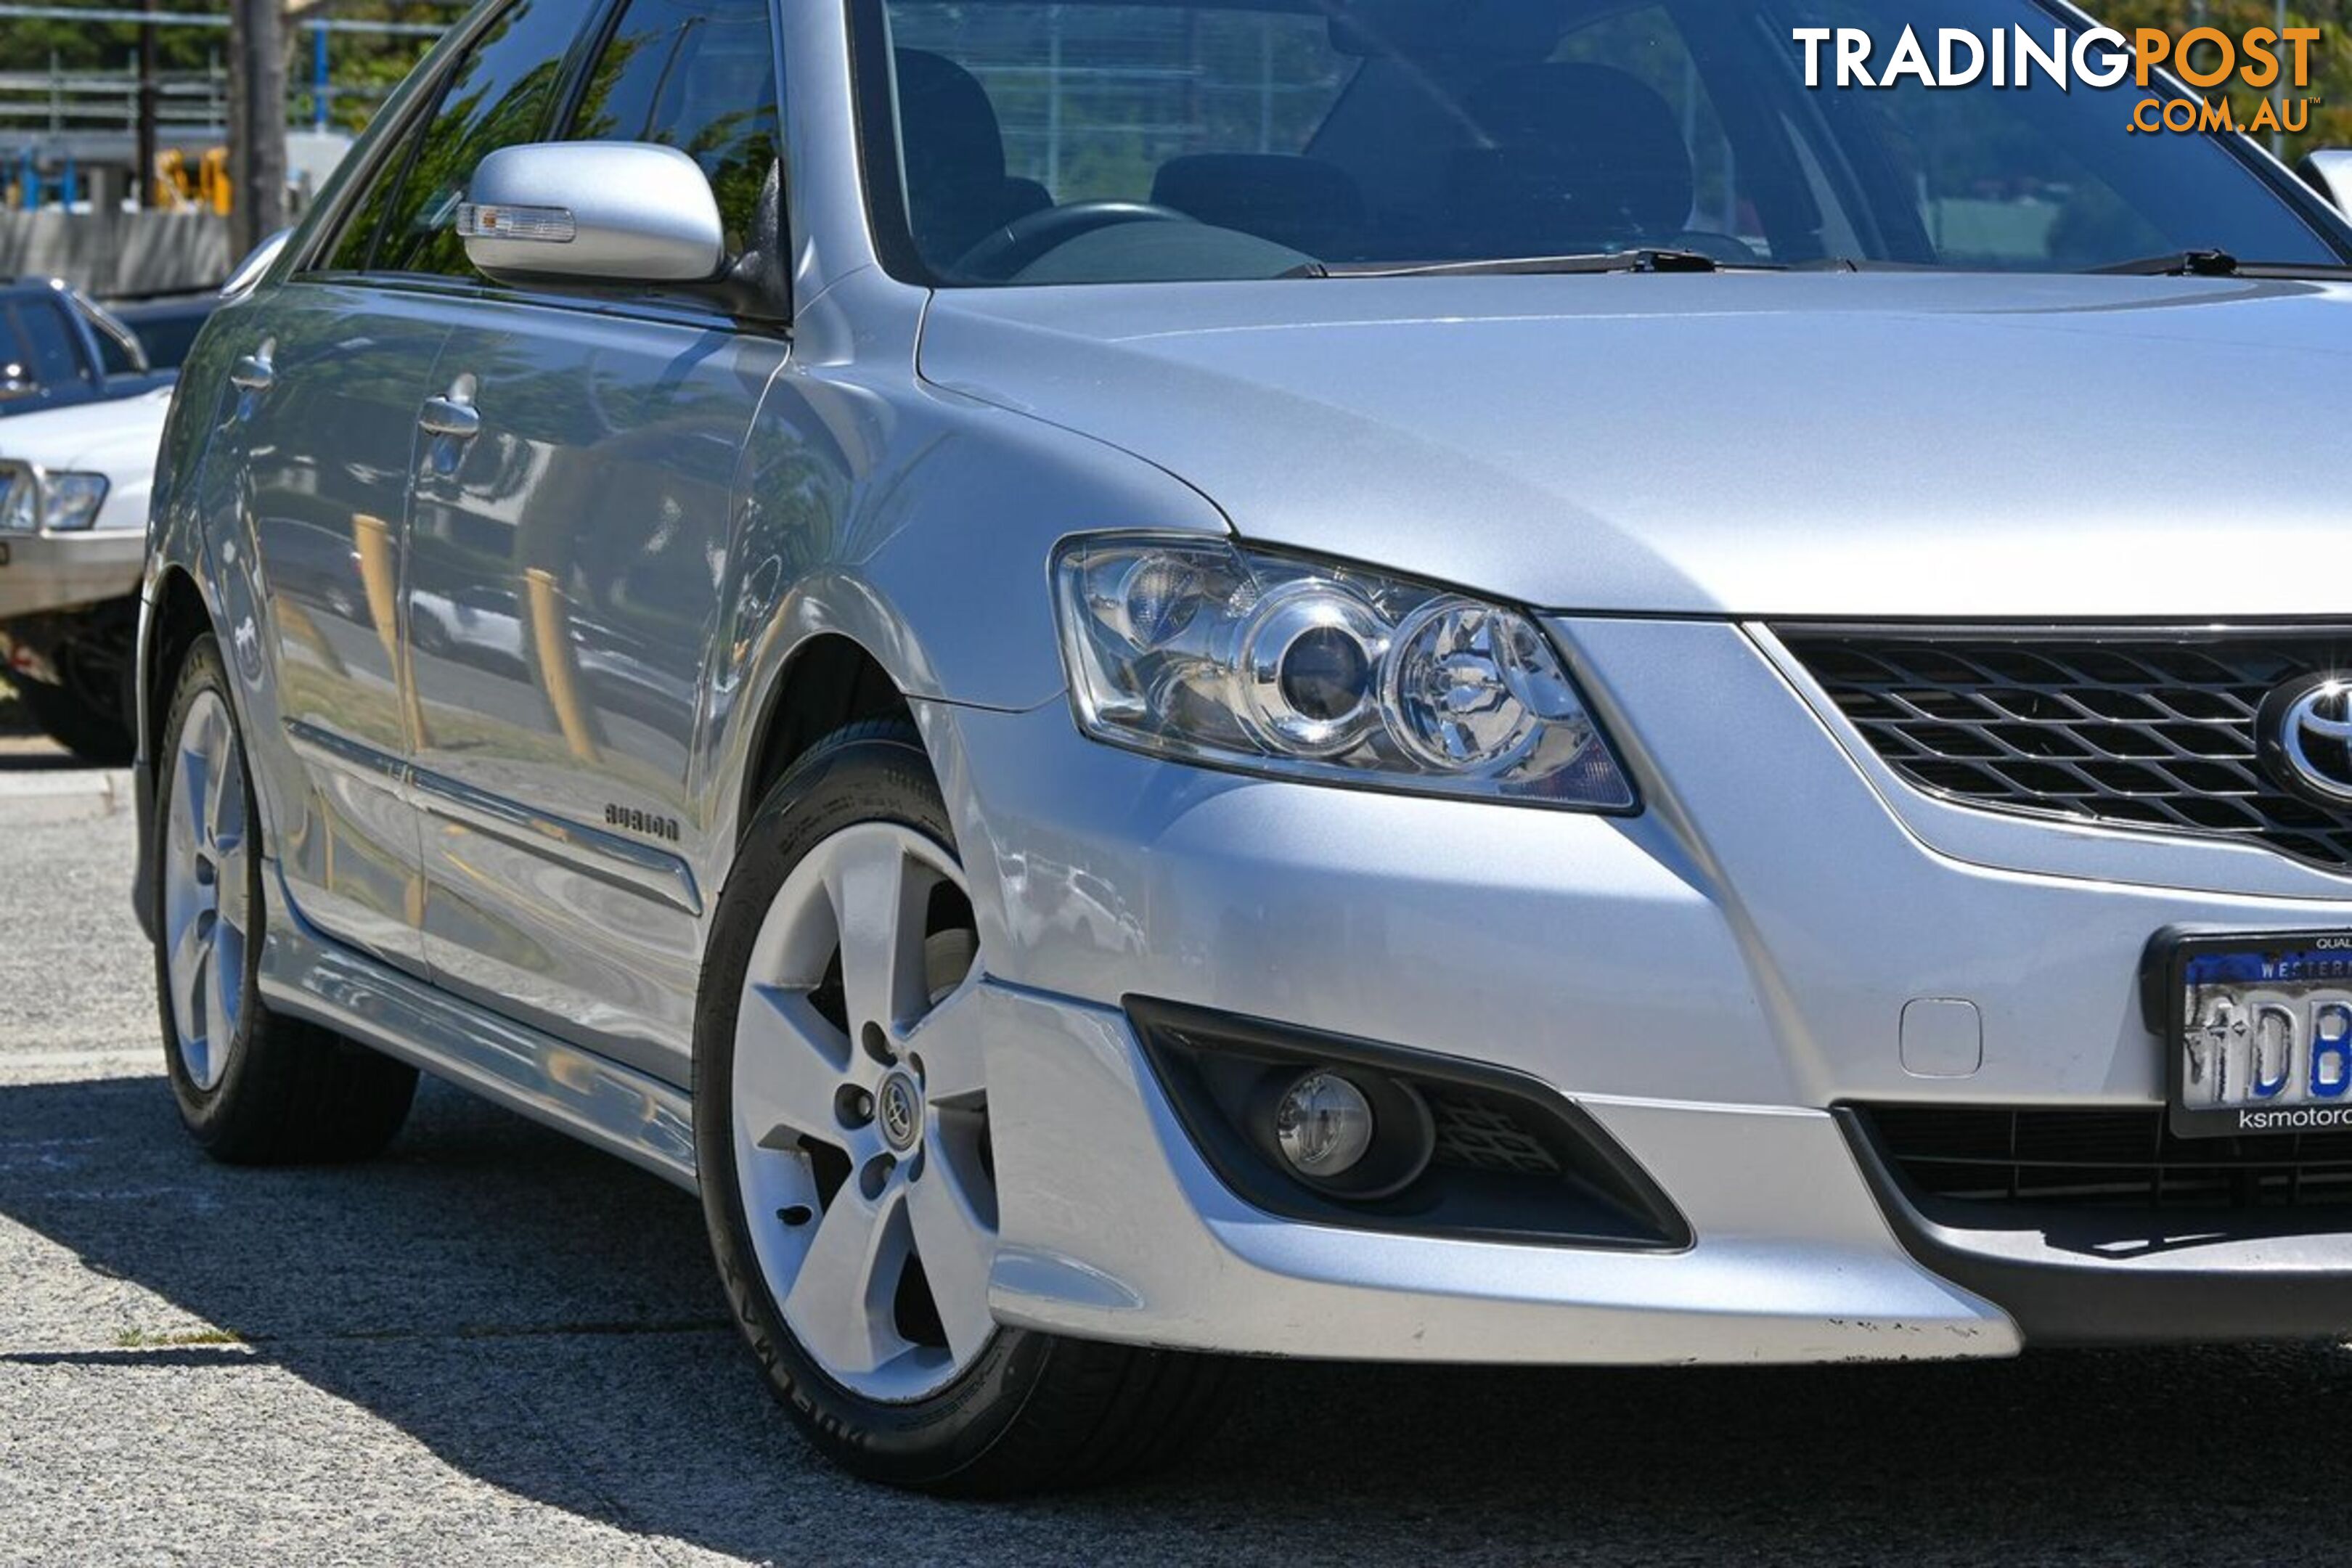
x=616, y=1108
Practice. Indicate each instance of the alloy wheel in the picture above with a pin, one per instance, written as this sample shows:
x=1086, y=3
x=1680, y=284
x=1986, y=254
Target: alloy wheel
x=860, y=1114
x=207, y=909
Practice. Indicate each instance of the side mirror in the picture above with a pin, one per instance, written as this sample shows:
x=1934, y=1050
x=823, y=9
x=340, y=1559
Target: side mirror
x=2330, y=174
x=249, y=272
x=621, y=212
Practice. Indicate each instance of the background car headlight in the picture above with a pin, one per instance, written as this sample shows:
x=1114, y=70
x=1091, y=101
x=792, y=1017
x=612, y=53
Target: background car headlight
x=1285, y=665
x=20, y=500
x=71, y=501
x=32, y=499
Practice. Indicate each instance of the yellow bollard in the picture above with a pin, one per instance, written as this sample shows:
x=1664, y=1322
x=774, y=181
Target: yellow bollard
x=555, y=666
x=371, y=537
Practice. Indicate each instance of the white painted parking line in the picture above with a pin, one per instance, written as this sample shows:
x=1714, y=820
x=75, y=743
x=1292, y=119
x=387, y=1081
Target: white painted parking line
x=45, y=798
x=80, y=1067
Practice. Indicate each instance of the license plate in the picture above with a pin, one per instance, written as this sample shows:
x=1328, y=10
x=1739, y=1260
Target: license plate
x=2258, y=1032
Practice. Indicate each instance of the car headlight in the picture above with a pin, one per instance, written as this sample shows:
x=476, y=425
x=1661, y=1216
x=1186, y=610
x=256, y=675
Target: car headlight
x=60, y=502
x=1284, y=665
x=20, y=502
x=71, y=501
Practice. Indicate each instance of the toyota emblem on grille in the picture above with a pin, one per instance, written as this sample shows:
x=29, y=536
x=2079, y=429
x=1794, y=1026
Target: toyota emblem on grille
x=2306, y=736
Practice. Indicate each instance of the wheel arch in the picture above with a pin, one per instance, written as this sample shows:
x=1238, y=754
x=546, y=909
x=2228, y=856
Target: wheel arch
x=177, y=615
x=829, y=681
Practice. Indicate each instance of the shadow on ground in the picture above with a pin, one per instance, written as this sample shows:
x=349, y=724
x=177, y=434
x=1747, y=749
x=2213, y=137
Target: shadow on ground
x=544, y=1319
x=22, y=748
x=20, y=755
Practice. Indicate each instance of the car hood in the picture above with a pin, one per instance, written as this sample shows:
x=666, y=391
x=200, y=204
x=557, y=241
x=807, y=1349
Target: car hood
x=1869, y=444
x=118, y=439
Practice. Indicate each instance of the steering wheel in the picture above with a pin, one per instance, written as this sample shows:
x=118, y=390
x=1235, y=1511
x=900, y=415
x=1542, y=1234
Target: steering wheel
x=1007, y=250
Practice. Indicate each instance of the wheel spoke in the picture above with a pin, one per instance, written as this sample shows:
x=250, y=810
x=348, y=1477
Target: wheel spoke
x=228, y=814
x=186, y=969
x=841, y=1304
x=219, y=1011
x=230, y=896
x=877, y=902
x=228, y=976
x=947, y=1042
x=957, y=1247
x=218, y=784
x=789, y=1065
x=186, y=897
x=191, y=795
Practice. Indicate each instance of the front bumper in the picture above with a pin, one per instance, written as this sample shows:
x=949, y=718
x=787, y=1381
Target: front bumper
x=1114, y=1228
x=42, y=572
x=1710, y=982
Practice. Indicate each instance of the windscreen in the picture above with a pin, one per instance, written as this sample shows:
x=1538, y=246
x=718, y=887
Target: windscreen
x=1056, y=143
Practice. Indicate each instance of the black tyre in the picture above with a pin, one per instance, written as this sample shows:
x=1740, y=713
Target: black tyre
x=254, y=1087
x=91, y=725
x=841, y=1129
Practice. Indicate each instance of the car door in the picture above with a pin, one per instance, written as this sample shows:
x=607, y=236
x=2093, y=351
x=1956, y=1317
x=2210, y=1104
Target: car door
x=566, y=552
x=330, y=373
x=326, y=383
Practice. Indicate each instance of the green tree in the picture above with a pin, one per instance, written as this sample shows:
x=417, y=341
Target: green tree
x=2331, y=84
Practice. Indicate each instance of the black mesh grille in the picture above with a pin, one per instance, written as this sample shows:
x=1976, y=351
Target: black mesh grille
x=2119, y=1159
x=2129, y=730
x=1481, y=1133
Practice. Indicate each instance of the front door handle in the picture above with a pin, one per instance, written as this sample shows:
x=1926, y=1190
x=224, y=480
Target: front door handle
x=452, y=417
x=253, y=372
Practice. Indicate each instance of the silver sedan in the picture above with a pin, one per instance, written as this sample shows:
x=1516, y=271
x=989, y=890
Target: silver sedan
x=1387, y=680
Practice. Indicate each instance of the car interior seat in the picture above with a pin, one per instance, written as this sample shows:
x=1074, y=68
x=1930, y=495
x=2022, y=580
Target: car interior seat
x=957, y=187
x=1571, y=157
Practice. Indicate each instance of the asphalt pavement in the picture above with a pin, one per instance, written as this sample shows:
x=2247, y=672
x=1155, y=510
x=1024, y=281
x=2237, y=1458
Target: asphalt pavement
x=493, y=1346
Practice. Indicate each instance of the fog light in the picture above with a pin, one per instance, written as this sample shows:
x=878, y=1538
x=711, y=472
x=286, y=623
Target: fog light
x=1323, y=1125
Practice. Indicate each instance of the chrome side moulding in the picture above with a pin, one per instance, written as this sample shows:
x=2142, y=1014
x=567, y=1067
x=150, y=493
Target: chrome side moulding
x=330, y=750
x=616, y=1108
x=591, y=851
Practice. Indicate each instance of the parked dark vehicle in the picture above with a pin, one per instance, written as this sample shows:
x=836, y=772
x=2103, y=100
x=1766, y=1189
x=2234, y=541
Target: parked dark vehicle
x=58, y=347
x=166, y=326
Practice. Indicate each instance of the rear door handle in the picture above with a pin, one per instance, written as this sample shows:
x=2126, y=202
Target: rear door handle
x=454, y=417
x=252, y=373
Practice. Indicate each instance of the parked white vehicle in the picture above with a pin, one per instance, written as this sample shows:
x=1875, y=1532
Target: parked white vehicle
x=74, y=485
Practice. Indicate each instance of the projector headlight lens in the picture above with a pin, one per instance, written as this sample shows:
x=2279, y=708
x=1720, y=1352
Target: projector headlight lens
x=1280, y=664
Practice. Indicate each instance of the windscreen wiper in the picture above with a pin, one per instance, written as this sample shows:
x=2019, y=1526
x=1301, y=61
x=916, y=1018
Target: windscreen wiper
x=2220, y=264
x=1641, y=260
x=2178, y=264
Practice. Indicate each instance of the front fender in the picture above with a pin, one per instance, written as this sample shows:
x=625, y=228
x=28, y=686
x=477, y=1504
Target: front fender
x=922, y=526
